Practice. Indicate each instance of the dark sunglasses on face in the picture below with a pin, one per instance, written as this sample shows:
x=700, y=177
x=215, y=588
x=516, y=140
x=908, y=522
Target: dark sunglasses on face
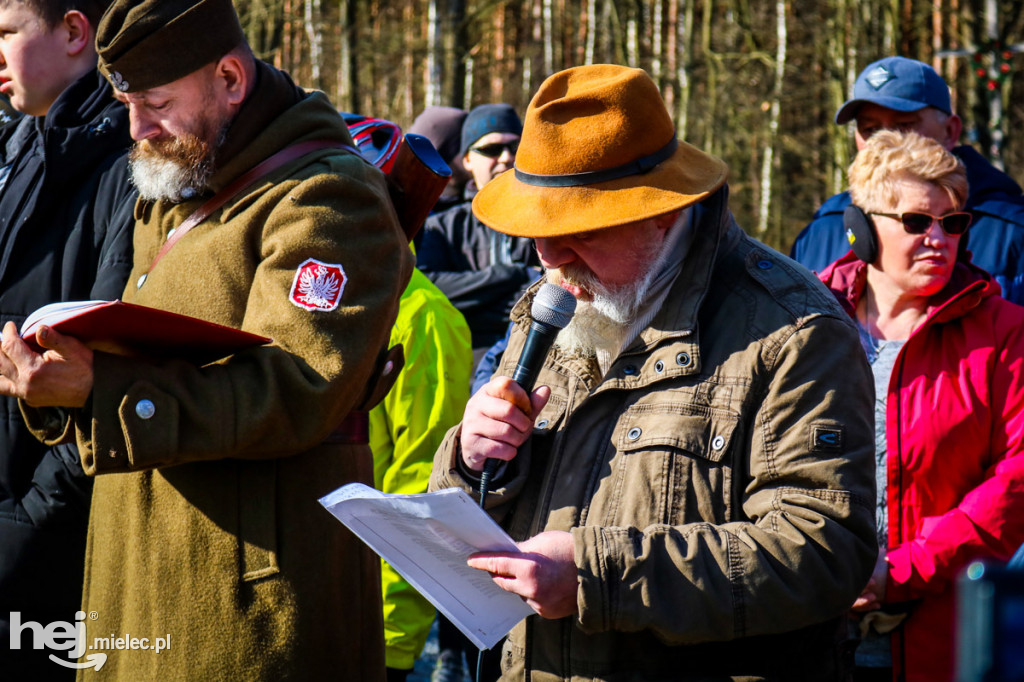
x=495, y=149
x=915, y=222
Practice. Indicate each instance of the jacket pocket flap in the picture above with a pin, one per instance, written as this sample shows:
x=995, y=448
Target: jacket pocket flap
x=551, y=416
x=703, y=433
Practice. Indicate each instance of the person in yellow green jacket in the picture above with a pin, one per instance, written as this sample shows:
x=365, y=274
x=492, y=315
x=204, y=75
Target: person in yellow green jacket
x=406, y=429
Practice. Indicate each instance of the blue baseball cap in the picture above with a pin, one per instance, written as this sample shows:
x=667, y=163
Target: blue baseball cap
x=897, y=83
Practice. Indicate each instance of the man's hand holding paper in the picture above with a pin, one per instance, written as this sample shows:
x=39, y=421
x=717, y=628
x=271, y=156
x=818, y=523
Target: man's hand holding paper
x=60, y=376
x=543, y=574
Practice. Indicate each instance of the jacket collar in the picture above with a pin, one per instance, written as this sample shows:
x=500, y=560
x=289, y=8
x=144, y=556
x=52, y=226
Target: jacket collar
x=273, y=94
x=85, y=124
x=276, y=114
x=714, y=232
x=966, y=289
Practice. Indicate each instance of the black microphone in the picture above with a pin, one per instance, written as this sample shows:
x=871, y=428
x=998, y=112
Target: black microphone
x=552, y=309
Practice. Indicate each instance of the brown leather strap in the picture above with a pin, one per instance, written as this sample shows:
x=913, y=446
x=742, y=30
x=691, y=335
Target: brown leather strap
x=267, y=166
x=354, y=429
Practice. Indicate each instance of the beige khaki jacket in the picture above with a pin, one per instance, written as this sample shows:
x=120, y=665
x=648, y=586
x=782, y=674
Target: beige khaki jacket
x=205, y=526
x=718, y=482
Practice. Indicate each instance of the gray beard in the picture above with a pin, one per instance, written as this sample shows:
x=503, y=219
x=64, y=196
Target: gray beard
x=162, y=179
x=604, y=322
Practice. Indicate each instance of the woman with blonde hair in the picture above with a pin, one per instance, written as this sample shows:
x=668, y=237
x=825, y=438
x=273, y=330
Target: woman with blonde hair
x=948, y=357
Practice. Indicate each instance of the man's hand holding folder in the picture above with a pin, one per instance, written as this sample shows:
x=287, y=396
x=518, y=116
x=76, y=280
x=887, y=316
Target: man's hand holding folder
x=49, y=363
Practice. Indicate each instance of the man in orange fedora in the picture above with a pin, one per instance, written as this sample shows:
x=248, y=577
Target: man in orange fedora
x=692, y=484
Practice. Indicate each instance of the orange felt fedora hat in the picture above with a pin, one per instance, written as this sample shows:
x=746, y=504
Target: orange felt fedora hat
x=598, y=150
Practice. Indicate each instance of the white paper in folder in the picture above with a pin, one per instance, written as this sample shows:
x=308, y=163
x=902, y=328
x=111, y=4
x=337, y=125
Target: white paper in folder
x=427, y=539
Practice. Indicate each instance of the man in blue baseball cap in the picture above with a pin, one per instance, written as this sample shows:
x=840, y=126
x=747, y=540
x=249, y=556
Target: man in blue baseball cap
x=897, y=93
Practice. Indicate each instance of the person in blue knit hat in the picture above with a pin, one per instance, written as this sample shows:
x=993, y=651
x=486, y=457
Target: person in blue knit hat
x=482, y=272
x=898, y=93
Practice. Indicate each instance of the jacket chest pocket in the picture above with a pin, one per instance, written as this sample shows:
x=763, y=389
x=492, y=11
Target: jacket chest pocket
x=669, y=465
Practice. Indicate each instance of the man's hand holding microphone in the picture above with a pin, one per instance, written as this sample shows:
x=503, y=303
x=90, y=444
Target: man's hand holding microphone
x=497, y=421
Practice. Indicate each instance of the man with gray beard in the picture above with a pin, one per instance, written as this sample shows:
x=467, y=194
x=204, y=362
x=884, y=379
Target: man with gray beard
x=257, y=213
x=691, y=485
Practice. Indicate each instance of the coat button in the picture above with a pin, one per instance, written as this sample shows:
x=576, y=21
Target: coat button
x=145, y=409
x=659, y=367
x=634, y=433
x=142, y=280
x=765, y=264
x=683, y=359
x=542, y=424
x=718, y=443
x=629, y=370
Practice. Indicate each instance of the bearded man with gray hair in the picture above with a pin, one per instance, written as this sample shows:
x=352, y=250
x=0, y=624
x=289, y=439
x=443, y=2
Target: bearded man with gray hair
x=691, y=485
x=256, y=213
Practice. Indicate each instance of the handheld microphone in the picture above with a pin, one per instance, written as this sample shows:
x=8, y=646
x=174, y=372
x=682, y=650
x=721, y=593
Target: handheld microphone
x=552, y=309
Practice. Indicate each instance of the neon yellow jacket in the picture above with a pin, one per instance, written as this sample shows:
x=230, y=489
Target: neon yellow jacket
x=427, y=399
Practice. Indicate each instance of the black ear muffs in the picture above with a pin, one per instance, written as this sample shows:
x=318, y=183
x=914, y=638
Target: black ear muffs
x=860, y=232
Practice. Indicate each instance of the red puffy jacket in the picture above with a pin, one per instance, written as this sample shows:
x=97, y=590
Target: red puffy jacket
x=955, y=434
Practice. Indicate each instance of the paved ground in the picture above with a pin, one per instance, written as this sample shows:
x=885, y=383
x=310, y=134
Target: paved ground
x=425, y=663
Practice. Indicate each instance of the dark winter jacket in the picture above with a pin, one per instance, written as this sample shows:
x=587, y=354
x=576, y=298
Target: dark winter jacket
x=65, y=234
x=995, y=240
x=482, y=272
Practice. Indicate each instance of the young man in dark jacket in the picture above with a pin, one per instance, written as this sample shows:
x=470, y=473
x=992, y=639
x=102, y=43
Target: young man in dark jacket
x=65, y=234
x=482, y=272
x=904, y=94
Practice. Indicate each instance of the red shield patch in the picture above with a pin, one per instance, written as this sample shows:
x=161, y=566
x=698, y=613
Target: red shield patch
x=318, y=286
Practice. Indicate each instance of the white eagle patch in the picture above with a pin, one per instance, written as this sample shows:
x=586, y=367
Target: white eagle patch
x=318, y=286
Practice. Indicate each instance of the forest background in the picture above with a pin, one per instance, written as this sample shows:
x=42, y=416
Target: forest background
x=755, y=82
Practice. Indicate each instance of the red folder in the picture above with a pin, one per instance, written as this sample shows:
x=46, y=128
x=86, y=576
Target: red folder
x=134, y=329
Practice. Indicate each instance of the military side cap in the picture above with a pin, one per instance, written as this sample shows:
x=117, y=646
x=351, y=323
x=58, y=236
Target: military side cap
x=144, y=44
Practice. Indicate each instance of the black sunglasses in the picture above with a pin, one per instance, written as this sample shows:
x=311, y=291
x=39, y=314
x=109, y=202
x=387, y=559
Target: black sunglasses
x=495, y=149
x=915, y=222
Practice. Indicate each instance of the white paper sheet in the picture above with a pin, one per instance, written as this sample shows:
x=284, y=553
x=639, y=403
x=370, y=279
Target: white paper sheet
x=427, y=539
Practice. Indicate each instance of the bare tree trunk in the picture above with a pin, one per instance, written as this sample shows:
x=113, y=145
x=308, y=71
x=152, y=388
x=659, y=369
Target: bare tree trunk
x=460, y=61
x=409, y=101
x=685, y=33
x=710, y=106
x=891, y=28
x=994, y=96
x=842, y=55
x=656, y=51
x=549, y=38
x=632, y=38
x=312, y=24
x=671, y=45
x=591, y=31
x=348, y=85
x=537, y=35
x=434, y=76
x=767, y=162
x=498, y=74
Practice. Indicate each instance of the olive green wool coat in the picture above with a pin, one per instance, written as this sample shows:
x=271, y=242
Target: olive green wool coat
x=205, y=526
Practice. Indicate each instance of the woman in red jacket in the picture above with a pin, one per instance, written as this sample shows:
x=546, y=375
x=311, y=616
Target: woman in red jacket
x=948, y=356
